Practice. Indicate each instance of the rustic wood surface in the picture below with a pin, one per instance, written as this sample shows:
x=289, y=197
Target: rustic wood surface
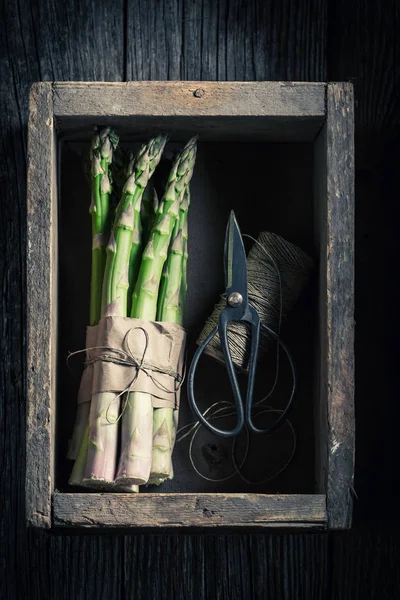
x=307, y=40
x=189, y=98
x=41, y=337
x=253, y=511
x=340, y=304
x=334, y=154
x=290, y=111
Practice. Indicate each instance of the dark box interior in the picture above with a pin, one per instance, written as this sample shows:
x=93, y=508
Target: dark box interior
x=270, y=187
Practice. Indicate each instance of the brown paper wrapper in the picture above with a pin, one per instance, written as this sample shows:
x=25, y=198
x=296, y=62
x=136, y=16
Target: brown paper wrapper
x=135, y=355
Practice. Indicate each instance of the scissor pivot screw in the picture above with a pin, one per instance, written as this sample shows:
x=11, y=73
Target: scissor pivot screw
x=235, y=299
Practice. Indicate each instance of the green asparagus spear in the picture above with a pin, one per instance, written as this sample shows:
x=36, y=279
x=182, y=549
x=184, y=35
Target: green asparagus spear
x=183, y=290
x=101, y=153
x=137, y=421
x=170, y=309
x=145, y=296
x=148, y=211
x=175, y=270
x=103, y=428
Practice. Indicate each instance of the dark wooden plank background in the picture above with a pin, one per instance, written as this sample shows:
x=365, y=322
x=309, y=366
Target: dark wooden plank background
x=119, y=40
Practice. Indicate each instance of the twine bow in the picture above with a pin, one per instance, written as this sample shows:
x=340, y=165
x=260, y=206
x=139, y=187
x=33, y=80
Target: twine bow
x=125, y=357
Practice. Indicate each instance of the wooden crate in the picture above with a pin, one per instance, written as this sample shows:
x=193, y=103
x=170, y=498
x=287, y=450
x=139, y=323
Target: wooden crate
x=299, y=137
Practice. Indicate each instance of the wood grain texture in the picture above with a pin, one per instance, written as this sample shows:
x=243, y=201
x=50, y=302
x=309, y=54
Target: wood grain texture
x=167, y=566
x=189, y=510
x=75, y=40
x=187, y=99
x=12, y=314
x=67, y=566
x=228, y=567
x=290, y=566
x=369, y=61
x=335, y=199
x=365, y=564
x=229, y=40
x=41, y=337
x=223, y=110
x=154, y=33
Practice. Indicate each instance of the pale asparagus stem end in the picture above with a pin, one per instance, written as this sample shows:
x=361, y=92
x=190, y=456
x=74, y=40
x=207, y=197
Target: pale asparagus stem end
x=162, y=443
x=129, y=489
x=156, y=480
x=102, y=447
x=135, y=460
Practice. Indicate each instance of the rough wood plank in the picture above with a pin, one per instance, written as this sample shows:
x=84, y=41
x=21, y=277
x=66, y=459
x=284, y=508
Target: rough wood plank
x=192, y=98
x=228, y=566
x=365, y=564
x=189, y=510
x=181, y=561
x=369, y=60
x=154, y=42
x=66, y=567
x=226, y=40
x=320, y=235
x=290, y=566
x=224, y=111
x=41, y=267
x=283, y=566
x=76, y=39
x=335, y=199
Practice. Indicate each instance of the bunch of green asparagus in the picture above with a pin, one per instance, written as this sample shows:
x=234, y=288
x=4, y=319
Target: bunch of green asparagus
x=139, y=261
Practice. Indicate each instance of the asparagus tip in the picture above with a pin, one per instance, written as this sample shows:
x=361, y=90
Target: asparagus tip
x=105, y=186
x=97, y=169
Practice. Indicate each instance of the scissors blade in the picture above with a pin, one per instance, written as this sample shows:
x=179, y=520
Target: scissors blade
x=235, y=260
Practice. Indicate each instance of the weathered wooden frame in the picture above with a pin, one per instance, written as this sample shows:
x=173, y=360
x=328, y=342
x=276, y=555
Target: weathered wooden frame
x=317, y=112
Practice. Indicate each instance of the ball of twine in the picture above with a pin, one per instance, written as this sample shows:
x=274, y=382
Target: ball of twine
x=277, y=272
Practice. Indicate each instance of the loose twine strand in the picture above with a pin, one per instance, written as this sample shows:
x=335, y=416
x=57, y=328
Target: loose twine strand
x=277, y=273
